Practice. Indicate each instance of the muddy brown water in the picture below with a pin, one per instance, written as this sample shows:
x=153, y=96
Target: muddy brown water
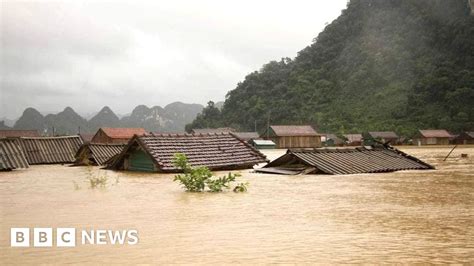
x=408, y=216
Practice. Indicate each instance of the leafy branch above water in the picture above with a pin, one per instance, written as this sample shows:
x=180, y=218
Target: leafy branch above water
x=197, y=179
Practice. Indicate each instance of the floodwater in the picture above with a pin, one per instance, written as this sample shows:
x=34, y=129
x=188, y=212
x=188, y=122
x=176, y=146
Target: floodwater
x=408, y=217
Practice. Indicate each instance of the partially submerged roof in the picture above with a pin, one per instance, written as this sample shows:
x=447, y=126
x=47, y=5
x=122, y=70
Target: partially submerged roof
x=122, y=133
x=212, y=130
x=48, y=150
x=383, y=134
x=11, y=155
x=353, y=137
x=217, y=151
x=263, y=142
x=97, y=153
x=247, y=135
x=293, y=130
x=345, y=161
x=16, y=133
x=86, y=138
x=435, y=133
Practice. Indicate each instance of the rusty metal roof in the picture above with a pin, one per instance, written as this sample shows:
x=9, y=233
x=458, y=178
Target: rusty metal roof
x=49, y=150
x=293, y=130
x=122, y=133
x=11, y=155
x=99, y=153
x=247, y=135
x=16, y=133
x=348, y=161
x=217, y=151
x=435, y=133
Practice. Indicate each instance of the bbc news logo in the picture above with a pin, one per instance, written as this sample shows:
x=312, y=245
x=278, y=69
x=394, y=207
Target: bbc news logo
x=66, y=237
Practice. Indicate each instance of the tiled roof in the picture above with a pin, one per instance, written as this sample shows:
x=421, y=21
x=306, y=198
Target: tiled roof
x=283, y=131
x=247, y=135
x=217, y=151
x=435, y=133
x=383, y=134
x=11, y=155
x=47, y=150
x=348, y=160
x=15, y=133
x=353, y=137
x=122, y=133
x=212, y=130
x=99, y=152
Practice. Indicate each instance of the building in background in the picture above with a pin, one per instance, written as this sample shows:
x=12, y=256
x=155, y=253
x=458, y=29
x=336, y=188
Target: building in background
x=293, y=136
x=432, y=137
x=116, y=135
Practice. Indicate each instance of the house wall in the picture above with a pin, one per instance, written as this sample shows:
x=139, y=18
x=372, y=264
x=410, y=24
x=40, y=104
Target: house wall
x=297, y=142
x=432, y=141
x=140, y=161
x=101, y=137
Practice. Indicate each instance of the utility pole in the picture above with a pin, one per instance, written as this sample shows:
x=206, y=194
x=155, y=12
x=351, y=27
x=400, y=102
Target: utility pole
x=255, y=127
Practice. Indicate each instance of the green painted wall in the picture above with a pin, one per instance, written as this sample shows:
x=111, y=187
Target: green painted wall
x=140, y=161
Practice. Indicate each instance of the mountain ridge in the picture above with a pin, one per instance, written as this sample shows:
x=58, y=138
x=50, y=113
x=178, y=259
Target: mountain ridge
x=381, y=65
x=172, y=118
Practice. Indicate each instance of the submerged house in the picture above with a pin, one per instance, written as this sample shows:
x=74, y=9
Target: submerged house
x=50, y=150
x=247, y=136
x=388, y=137
x=212, y=130
x=11, y=155
x=262, y=144
x=333, y=140
x=217, y=151
x=353, y=139
x=97, y=153
x=464, y=138
x=116, y=135
x=432, y=137
x=293, y=136
x=17, y=133
x=341, y=161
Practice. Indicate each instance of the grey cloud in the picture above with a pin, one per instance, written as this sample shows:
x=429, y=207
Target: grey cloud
x=87, y=54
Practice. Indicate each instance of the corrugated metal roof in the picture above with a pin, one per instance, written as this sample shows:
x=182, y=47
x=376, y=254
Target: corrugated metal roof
x=263, y=142
x=247, y=135
x=217, y=151
x=11, y=155
x=100, y=153
x=351, y=160
x=16, y=133
x=122, y=133
x=435, y=133
x=383, y=134
x=48, y=150
x=293, y=130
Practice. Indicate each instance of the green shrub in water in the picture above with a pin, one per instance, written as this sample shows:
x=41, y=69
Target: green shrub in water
x=197, y=179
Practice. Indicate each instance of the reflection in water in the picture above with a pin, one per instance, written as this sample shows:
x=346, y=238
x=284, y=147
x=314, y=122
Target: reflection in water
x=411, y=216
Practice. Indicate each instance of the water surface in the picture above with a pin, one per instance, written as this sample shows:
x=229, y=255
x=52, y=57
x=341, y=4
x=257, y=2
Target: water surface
x=409, y=216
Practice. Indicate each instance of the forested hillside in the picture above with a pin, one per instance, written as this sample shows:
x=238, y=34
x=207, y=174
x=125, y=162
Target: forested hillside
x=381, y=65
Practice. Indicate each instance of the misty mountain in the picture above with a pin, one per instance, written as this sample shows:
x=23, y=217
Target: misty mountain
x=381, y=65
x=104, y=118
x=172, y=118
x=3, y=126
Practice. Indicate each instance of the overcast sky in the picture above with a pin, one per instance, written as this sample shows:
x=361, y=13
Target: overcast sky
x=87, y=54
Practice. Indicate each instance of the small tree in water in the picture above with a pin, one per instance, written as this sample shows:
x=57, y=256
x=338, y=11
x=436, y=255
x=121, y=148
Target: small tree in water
x=196, y=179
